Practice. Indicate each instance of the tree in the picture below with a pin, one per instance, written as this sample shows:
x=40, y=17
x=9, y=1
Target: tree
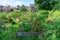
x=18, y=7
x=46, y=4
x=23, y=8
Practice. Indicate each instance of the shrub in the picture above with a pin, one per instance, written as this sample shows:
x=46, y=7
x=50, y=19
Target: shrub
x=34, y=21
x=53, y=26
x=41, y=21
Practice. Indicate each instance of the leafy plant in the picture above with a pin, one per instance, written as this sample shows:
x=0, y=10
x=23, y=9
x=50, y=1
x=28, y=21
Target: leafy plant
x=46, y=4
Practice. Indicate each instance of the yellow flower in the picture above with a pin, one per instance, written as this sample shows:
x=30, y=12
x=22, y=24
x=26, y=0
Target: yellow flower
x=17, y=19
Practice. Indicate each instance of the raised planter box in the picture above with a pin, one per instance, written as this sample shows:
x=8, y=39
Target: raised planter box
x=27, y=33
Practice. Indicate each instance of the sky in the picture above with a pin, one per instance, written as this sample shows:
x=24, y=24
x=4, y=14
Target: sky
x=16, y=2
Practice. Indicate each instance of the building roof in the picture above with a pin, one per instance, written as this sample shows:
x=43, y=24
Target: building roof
x=5, y=8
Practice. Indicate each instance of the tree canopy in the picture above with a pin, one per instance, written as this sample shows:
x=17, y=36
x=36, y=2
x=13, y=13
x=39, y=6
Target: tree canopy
x=46, y=4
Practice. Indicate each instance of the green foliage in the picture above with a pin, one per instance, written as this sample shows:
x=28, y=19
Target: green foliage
x=23, y=8
x=57, y=6
x=48, y=24
x=46, y=4
x=52, y=26
x=42, y=14
x=34, y=21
